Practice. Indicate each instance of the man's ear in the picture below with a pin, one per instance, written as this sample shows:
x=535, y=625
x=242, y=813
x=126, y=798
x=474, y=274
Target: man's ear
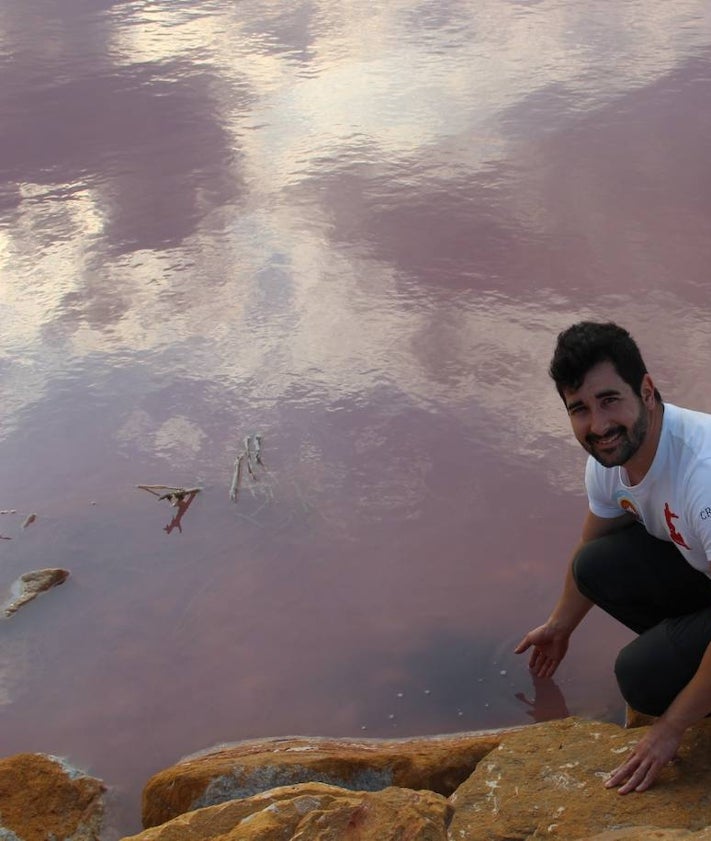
x=647, y=391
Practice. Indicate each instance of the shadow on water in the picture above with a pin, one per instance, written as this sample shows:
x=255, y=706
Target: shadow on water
x=548, y=702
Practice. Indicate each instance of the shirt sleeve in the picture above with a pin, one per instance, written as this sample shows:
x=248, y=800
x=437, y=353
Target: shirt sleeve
x=600, y=499
x=698, y=504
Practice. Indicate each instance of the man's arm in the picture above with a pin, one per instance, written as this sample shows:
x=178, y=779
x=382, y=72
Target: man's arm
x=661, y=741
x=550, y=640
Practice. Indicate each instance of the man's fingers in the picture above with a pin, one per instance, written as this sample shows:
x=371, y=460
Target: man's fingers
x=623, y=772
x=524, y=645
x=537, y=661
x=635, y=775
x=541, y=665
x=623, y=777
x=632, y=783
x=549, y=669
x=639, y=781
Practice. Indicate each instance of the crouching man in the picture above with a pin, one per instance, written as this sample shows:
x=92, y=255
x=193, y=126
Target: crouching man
x=645, y=549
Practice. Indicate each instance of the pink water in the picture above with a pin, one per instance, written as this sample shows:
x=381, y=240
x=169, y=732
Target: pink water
x=357, y=229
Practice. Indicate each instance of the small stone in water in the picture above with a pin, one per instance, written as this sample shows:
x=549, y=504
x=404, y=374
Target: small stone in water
x=502, y=672
x=400, y=694
x=31, y=584
x=391, y=716
x=427, y=691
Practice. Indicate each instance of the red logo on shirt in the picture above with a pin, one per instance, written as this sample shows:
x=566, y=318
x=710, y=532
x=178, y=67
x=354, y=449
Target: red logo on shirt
x=676, y=536
x=629, y=507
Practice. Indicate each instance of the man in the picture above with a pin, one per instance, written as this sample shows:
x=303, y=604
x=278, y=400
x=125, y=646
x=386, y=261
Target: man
x=645, y=550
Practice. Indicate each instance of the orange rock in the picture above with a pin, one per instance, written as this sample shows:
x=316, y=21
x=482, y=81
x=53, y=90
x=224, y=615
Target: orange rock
x=314, y=812
x=637, y=719
x=651, y=833
x=42, y=798
x=437, y=763
x=546, y=781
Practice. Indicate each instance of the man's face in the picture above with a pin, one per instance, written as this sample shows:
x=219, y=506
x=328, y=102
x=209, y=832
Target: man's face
x=608, y=418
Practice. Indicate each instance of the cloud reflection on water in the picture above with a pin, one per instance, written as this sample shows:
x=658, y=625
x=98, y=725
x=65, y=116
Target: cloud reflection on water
x=281, y=132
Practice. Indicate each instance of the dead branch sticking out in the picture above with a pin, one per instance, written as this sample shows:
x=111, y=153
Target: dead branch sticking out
x=251, y=455
x=174, y=495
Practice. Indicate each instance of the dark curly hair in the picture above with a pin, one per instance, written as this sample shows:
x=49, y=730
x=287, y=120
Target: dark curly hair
x=587, y=343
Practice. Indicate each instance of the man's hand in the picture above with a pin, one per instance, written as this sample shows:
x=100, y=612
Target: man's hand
x=549, y=648
x=650, y=755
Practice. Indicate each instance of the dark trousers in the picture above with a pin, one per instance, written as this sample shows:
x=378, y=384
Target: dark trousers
x=647, y=585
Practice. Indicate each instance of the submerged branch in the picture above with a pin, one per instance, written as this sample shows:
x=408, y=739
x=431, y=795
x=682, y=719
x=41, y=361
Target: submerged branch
x=252, y=449
x=236, y=478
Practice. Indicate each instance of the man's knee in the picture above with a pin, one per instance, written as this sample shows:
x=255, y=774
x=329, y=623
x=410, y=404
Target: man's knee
x=634, y=671
x=586, y=568
x=607, y=571
x=648, y=672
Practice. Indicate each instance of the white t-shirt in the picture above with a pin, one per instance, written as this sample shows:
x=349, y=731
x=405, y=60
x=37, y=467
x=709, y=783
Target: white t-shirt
x=673, y=501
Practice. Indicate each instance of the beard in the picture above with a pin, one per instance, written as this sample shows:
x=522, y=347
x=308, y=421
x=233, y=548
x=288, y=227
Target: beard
x=627, y=444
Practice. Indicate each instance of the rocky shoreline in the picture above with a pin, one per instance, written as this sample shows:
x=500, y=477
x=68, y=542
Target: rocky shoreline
x=533, y=782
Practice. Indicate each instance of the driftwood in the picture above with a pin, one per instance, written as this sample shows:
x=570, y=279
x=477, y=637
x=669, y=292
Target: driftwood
x=251, y=455
x=180, y=498
x=174, y=495
x=29, y=519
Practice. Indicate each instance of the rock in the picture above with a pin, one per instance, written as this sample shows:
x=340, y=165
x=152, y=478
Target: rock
x=41, y=797
x=438, y=763
x=651, y=833
x=31, y=584
x=546, y=781
x=633, y=718
x=314, y=812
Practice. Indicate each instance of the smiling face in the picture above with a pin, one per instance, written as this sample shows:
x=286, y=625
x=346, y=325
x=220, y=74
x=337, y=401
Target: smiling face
x=610, y=421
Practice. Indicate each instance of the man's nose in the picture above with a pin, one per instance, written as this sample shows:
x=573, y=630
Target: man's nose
x=599, y=423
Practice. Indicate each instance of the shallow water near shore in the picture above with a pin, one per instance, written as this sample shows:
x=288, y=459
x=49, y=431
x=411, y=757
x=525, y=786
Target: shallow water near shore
x=355, y=229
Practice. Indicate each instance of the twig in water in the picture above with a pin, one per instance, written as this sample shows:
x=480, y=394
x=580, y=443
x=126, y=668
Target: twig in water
x=236, y=478
x=29, y=519
x=248, y=454
x=177, y=496
x=252, y=446
x=153, y=489
x=174, y=495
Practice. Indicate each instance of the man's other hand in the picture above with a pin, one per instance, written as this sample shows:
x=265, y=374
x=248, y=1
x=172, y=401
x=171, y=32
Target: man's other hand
x=549, y=647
